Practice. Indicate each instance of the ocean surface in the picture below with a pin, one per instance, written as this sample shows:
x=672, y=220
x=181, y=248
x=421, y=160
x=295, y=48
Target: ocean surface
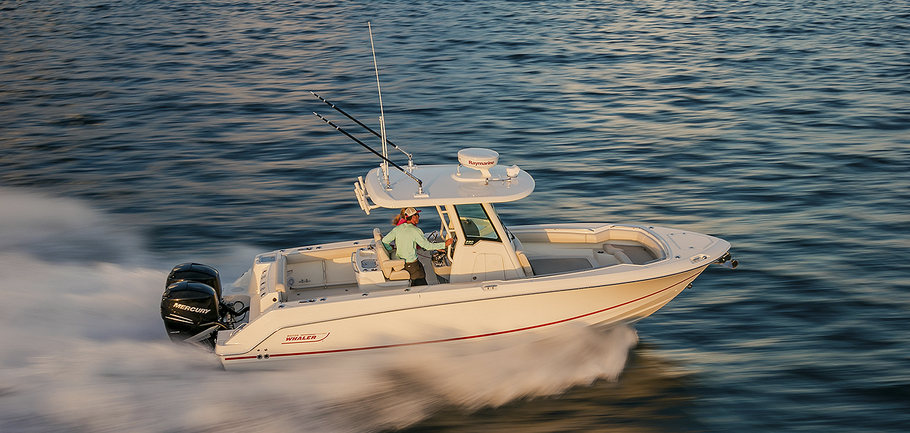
x=135, y=135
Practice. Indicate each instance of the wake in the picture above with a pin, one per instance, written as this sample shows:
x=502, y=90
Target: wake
x=85, y=349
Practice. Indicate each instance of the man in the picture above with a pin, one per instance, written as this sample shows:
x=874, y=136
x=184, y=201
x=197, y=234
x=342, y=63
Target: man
x=406, y=237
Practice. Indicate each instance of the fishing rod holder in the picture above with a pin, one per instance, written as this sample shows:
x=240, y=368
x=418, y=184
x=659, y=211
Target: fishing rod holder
x=385, y=159
x=362, y=197
x=362, y=125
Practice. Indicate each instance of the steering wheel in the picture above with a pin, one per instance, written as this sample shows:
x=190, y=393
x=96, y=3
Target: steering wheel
x=450, y=249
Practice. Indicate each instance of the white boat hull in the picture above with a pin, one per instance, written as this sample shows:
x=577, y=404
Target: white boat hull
x=446, y=317
x=318, y=301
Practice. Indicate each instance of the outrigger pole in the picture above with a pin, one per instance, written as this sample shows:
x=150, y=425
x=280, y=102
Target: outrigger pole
x=384, y=158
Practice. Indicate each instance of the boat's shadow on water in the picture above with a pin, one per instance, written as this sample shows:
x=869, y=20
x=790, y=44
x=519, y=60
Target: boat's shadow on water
x=651, y=395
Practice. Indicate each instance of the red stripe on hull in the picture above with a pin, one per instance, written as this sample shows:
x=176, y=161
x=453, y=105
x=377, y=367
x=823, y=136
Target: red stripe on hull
x=469, y=337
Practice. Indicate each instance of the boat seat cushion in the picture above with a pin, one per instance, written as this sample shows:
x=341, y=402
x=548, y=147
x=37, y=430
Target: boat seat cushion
x=635, y=254
x=392, y=269
x=525, y=264
x=617, y=252
x=555, y=265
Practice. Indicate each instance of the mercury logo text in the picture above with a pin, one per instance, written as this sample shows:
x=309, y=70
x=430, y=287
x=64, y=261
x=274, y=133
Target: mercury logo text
x=192, y=309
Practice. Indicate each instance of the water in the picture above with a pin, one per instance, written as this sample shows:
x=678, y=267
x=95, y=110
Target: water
x=137, y=135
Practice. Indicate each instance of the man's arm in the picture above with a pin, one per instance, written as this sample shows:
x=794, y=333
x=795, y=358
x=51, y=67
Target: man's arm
x=387, y=239
x=427, y=245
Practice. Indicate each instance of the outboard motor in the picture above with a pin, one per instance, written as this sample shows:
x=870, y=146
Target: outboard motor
x=191, y=305
x=190, y=312
x=199, y=273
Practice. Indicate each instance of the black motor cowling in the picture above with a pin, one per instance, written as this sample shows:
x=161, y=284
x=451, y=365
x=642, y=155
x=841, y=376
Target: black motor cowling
x=199, y=273
x=190, y=304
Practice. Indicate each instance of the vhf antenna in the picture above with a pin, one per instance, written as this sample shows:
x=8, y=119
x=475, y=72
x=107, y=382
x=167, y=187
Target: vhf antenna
x=385, y=146
x=385, y=142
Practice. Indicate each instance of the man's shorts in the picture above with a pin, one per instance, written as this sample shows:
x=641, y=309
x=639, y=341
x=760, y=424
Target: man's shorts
x=415, y=268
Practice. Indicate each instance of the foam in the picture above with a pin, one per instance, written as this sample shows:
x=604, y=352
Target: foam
x=84, y=349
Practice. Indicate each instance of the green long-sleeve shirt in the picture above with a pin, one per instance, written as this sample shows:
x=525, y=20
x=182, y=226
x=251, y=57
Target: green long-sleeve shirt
x=407, y=236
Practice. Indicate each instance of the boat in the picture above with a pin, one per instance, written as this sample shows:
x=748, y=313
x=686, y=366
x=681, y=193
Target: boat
x=353, y=296
x=493, y=282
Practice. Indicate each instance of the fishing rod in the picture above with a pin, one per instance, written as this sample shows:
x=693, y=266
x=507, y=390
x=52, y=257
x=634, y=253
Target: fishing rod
x=410, y=158
x=384, y=158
